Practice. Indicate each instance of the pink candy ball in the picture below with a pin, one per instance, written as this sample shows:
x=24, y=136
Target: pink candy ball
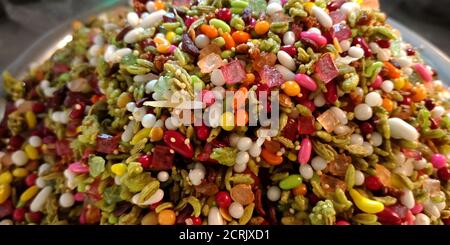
x=418, y=208
x=439, y=161
x=342, y=222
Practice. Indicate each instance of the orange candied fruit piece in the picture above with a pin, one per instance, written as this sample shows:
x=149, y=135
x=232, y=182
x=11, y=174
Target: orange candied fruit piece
x=271, y=158
x=159, y=5
x=262, y=27
x=229, y=41
x=209, y=31
x=388, y=104
x=240, y=37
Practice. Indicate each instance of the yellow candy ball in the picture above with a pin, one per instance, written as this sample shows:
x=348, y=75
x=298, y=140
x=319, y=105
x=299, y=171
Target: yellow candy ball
x=291, y=88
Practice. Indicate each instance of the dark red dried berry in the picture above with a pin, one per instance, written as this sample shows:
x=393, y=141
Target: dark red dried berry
x=224, y=14
x=444, y=174
x=410, y=52
x=366, y=128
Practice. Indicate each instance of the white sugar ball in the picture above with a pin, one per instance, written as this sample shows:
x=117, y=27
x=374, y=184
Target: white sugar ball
x=66, y=200
x=373, y=99
x=244, y=143
x=35, y=141
x=318, y=163
x=273, y=193
x=148, y=120
x=363, y=112
x=163, y=176
x=306, y=171
x=19, y=158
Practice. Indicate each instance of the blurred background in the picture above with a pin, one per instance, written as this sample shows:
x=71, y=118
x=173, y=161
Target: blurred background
x=23, y=21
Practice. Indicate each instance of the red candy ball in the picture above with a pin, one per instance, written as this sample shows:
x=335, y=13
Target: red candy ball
x=223, y=199
x=224, y=14
x=373, y=183
x=145, y=160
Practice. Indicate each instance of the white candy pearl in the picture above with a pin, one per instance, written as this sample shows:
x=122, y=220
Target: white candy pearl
x=340, y=115
x=150, y=6
x=196, y=176
x=201, y=41
x=348, y=7
x=66, y=200
x=373, y=99
x=376, y=139
x=214, y=217
x=149, y=86
x=286, y=60
x=148, y=120
x=318, y=163
x=134, y=35
x=356, y=52
x=244, y=143
x=40, y=199
x=172, y=123
x=131, y=106
x=236, y=210
x=45, y=168
x=163, y=176
x=420, y=164
x=239, y=167
x=437, y=112
x=422, y=219
x=359, y=178
x=242, y=157
x=287, y=74
x=407, y=198
x=322, y=16
x=273, y=7
x=35, y=141
x=356, y=139
x=217, y=78
x=138, y=113
x=255, y=150
x=363, y=112
x=40, y=182
x=19, y=158
x=342, y=129
x=273, y=193
x=387, y=86
x=368, y=147
x=289, y=38
x=401, y=129
x=315, y=30
x=306, y=171
x=319, y=100
x=6, y=222
x=133, y=19
x=345, y=45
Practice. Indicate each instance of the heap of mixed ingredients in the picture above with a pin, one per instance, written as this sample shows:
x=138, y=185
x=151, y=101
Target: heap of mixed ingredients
x=89, y=138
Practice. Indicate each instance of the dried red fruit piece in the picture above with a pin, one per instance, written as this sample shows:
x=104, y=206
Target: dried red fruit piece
x=162, y=158
x=325, y=68
x=306, y=125
x=233, y=72
x=389, y=217
x=271, y=76
x=106, y=143
x=341, y=32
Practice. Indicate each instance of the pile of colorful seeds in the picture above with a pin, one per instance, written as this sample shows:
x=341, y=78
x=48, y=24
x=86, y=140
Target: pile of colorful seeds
x=364, y=124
